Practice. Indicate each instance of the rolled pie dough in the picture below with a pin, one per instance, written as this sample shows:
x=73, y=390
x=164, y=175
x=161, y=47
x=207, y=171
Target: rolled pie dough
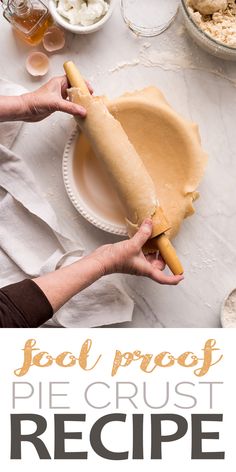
x=172, y=160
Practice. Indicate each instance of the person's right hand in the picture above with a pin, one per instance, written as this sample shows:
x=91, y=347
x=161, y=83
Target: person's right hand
x=127, y=257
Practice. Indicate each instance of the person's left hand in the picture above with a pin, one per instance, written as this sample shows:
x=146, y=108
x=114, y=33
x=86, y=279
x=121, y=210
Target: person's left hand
x=49, y=98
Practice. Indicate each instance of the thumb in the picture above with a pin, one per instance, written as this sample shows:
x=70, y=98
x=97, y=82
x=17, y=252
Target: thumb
x=144, y=233
x=71, y=108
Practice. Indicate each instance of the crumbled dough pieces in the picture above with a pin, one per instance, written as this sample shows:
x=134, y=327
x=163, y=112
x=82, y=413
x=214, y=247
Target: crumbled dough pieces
x=220, y=25
x=208, y=7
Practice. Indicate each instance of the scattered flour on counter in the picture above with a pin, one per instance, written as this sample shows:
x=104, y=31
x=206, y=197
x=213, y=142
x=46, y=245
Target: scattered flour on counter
x=122, y=65
x=208, y=305
x=146, y=45
x=150, y=57
x=168, y=60
x=229, y=311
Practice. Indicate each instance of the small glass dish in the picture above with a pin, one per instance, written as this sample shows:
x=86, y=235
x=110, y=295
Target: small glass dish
x=149, y=18
x=205, y=41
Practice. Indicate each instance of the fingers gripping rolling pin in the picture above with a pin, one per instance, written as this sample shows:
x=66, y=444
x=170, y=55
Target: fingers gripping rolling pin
x=127, y=172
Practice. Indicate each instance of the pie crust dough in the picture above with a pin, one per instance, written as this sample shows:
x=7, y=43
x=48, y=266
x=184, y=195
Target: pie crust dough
x=169, y=147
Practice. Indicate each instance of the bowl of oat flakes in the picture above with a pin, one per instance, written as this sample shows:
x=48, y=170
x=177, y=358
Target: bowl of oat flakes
x=212, y=24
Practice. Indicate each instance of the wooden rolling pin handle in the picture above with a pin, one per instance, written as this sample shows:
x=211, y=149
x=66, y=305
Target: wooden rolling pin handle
x=168, y=254
x=75, y=78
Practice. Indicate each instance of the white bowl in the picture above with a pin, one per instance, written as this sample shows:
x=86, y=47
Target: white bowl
x=79, y=29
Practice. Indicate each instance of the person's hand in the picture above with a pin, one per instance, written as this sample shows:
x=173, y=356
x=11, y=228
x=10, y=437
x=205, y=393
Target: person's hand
x=47, y=99
x=127, y=257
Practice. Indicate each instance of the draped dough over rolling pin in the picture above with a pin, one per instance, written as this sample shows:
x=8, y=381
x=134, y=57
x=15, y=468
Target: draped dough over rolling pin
x=169, y=147
x=127, y=171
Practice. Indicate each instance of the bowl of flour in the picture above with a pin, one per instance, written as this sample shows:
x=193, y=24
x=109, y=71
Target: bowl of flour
x=80, y=16
x=228, y=311
x=212, y=24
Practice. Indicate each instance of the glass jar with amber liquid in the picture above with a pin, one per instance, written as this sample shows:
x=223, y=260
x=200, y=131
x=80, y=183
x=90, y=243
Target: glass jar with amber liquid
x=29, y=18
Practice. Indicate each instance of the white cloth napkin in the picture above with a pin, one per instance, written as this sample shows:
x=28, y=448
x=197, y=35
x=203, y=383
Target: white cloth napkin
x=9, y=131
x=32, y=243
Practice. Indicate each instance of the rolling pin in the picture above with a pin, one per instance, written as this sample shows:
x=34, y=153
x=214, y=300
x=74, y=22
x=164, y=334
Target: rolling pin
x=125, y=168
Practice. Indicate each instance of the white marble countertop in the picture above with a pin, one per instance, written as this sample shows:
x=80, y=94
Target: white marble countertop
x=201, y=88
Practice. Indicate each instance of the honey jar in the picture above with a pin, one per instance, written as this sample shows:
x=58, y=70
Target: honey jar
x=29, y=18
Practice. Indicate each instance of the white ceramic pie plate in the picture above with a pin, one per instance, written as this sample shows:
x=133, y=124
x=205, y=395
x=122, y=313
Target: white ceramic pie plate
x=88, y=191
x=87, y=183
